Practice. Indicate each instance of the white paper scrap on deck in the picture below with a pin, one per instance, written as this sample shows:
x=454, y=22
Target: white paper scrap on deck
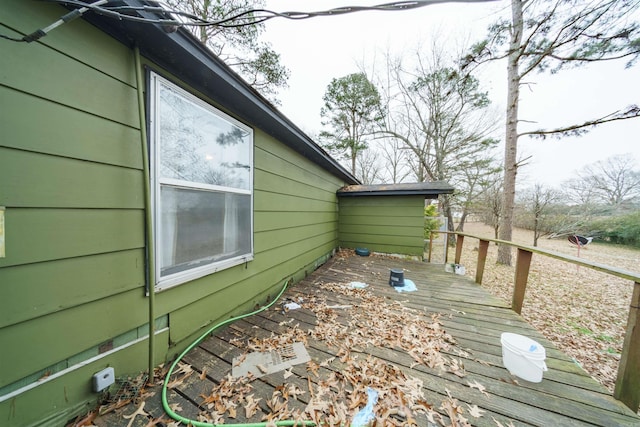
x=292, y=306
x=265, y=363
x=357, y=285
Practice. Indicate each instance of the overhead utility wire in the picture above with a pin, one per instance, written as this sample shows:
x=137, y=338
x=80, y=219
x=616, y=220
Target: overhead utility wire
x=74, y=14
x=249, y=17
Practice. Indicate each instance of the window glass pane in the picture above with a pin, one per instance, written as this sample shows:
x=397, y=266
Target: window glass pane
x=200, y=227
x=200, y=146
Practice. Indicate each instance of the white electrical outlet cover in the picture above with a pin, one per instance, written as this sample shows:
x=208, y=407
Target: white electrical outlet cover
x=103, y=379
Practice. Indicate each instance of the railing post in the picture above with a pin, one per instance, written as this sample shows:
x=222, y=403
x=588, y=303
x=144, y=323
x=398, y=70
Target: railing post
x=483, y=246
x=627, y=390
x=430, y=246
x=459, y=242
x=446, y=247
x=522, y=274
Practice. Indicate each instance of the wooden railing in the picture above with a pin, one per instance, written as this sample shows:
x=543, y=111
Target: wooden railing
x=627, y=388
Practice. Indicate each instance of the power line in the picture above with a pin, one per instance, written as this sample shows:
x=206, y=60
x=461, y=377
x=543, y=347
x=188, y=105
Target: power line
x=178, y=18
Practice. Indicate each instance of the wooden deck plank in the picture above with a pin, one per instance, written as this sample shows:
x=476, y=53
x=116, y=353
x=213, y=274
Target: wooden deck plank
x=475, y=320
x=578, y=409
x=437, y=382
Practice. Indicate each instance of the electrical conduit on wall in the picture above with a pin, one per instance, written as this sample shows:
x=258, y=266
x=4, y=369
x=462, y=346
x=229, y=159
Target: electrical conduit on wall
x=151, y=277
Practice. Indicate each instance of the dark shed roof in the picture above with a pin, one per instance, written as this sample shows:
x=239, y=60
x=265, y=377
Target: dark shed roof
x=428, y=189
x=186, y=57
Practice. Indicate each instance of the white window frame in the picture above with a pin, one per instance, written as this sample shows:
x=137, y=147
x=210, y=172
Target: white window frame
x=156, y=182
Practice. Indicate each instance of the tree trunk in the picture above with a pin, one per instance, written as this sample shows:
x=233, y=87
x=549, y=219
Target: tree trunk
x=446, y=207
x=204, y=37
x=511, y=139
x=353, y=163
x=463, y=219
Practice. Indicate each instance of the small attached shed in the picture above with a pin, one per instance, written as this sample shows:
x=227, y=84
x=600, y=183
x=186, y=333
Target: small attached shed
x=386, y=218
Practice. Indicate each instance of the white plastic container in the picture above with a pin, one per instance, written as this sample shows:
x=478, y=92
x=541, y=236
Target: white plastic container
x=523, y=357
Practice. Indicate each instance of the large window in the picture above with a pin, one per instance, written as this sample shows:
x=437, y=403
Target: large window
x=202, y=176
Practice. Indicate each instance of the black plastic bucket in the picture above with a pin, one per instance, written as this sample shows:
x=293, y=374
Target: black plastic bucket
x=397, y=277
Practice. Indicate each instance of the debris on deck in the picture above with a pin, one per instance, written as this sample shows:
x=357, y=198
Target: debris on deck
x=261, y=363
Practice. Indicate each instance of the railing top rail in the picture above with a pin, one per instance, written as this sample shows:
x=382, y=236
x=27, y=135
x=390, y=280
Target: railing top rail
x=614, y=271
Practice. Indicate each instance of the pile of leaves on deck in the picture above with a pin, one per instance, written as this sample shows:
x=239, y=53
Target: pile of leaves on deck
x=336, y=388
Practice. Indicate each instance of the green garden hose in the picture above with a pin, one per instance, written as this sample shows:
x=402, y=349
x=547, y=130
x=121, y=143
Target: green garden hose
x=195, y=423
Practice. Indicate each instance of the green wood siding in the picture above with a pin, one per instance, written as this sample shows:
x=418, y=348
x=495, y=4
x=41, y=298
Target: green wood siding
x=53, y=181
x=38, y=289
x=389, y=224
x=71, y=178
x=42, y=234
x=83, y=136
x=46, y=340
x=65, y=397
x=295, y=224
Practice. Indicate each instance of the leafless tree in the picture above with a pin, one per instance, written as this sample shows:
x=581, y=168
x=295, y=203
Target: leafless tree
x=442, y=119
x=395, y=158
x=549, y=35
x=613, y=180
x=368, y=168
x=490, y=204
x=537, y=202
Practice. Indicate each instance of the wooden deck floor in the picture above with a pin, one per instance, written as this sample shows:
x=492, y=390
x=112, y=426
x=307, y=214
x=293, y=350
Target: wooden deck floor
x=567, y=396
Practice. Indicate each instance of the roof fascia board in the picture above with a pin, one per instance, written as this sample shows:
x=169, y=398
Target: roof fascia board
x=428, y=194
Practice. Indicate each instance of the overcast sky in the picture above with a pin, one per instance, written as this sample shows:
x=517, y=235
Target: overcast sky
x=319, y=49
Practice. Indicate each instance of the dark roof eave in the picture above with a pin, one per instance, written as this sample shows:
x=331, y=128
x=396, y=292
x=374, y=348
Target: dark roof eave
x=181, y=54
x=432, y=195
x=427, y=189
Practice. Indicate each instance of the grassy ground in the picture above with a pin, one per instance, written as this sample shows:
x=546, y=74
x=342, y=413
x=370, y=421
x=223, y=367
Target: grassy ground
x=584, y=312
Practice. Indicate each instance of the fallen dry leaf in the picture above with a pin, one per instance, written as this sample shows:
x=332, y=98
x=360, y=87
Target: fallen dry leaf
x=477, y=385
x=251, y=406
x=499, y=424
x=132, y=417
x=474, y=411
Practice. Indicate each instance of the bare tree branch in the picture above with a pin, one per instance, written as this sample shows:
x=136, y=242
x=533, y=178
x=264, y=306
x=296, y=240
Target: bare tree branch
x=633, y=111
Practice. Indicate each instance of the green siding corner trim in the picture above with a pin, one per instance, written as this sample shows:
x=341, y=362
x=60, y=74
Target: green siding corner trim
x=388, y=224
